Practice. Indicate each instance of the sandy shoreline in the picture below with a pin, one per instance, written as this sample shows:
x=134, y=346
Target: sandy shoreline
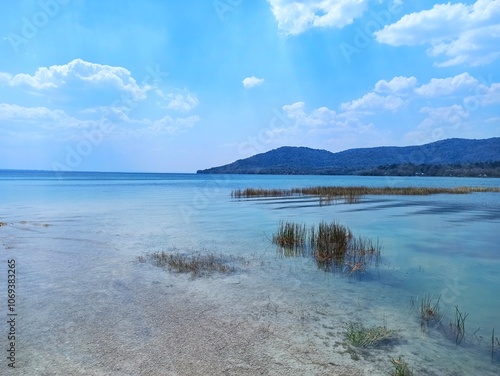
x=143, y=320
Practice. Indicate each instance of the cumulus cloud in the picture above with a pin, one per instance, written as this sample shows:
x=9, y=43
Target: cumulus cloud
x=397, y=85
x=295, y=17
x=439, y=87
x=374, y=101
x=253, y=81
x=319, y=117
x=400, y=91
x=78, y=80
x=93, y=94
x=457, y=33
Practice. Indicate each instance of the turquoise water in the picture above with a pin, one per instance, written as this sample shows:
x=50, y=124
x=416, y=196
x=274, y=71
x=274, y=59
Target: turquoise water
x=75, y=236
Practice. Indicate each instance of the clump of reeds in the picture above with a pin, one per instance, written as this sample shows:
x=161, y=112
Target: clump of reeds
x=401, y=368
x=331, y=244
x=196, y=264
x=359, y=336
x=290, y=235
x=352, y=194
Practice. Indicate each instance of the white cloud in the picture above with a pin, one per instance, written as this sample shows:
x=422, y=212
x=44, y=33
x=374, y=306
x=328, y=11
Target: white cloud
x=453, y=115
x=457, y=33
x=253, y=81
x=398, y=85
x=439, y=87
x=15, y=112
x=373, y=101
x=319, y=117
x=490, y=96
x=438, y=123
x=295, y=17
x=41, y=122
x=80, y=79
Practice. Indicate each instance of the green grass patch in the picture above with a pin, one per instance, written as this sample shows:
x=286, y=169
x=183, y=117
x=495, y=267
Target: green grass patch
x=359, y=336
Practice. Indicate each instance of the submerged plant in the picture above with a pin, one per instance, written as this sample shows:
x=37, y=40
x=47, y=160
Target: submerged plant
x=400, y=368
x=458, y=325
x=428, y=310
x=196, y=264
x=357, y=335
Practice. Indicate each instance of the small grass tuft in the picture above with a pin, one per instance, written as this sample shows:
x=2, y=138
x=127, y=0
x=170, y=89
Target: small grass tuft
x=428, y=311
x=400, y=368
x=196, y=264
x=357, y=335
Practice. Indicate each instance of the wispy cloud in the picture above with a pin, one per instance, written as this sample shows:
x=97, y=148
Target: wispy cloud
x=183, y=101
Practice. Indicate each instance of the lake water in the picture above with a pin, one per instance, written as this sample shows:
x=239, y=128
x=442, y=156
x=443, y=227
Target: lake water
x=76, y=240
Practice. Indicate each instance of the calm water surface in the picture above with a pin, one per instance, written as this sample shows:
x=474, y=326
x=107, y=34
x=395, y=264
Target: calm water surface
x=66, y=230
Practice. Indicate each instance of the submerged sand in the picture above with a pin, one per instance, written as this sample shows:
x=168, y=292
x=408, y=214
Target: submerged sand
x=108, y=315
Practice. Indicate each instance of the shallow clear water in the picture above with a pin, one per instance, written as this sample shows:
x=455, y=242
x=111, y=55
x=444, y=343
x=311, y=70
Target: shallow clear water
x=75, y=237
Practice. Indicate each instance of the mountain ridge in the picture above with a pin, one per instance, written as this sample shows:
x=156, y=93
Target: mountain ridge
x=305, y=160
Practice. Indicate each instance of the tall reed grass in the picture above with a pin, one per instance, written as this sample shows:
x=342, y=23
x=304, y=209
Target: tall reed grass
x=352, y=194
x=332, y=245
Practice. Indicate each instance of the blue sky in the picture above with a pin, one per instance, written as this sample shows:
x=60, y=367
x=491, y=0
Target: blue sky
x=171, y=86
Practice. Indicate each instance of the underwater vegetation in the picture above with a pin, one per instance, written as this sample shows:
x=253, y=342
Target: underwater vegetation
x=198, y=264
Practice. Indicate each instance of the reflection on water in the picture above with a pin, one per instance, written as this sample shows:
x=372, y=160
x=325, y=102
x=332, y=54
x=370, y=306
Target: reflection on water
x=76, y=242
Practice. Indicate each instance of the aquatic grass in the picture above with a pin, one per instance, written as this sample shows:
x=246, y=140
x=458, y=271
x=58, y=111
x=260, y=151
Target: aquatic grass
x=352, y=194
x=458, y=325
x=332, y=245
x=401, y=368
x=429, y=309
x=290, y=235
x=493, y=340
x=196, y=264
x=359, y=336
